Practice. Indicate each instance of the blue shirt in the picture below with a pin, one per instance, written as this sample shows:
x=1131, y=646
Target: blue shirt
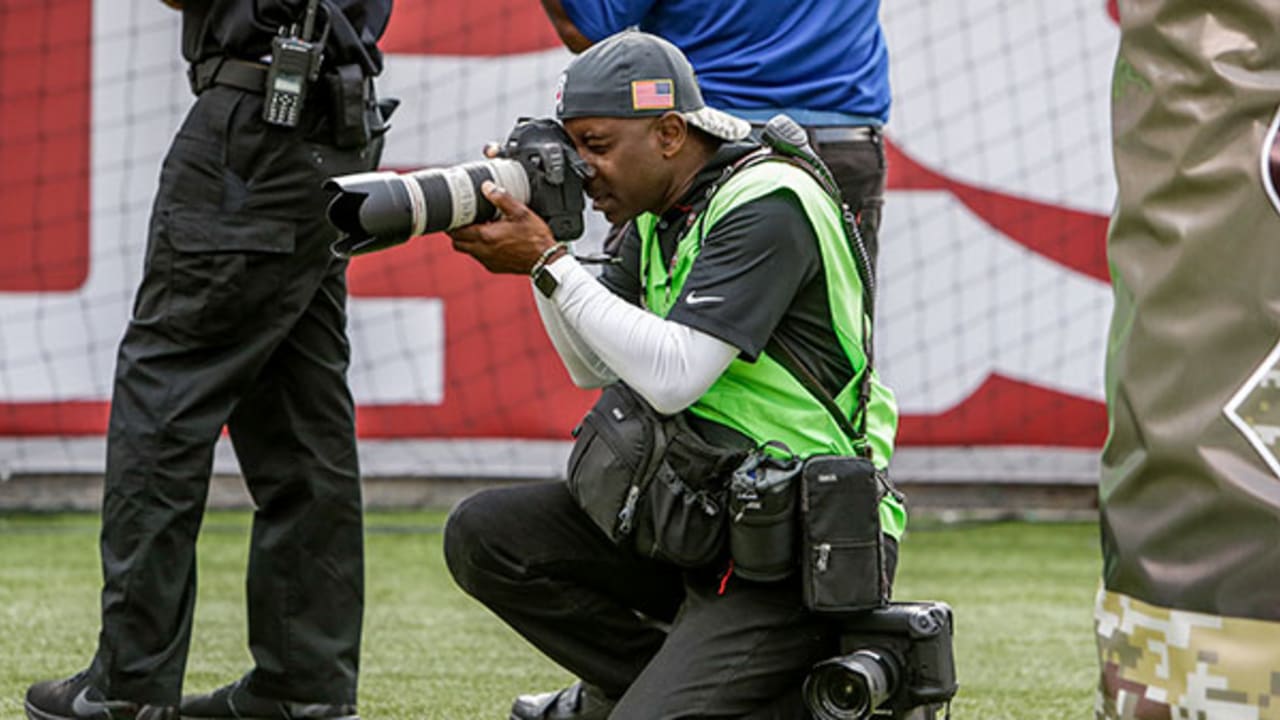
x=824, y=62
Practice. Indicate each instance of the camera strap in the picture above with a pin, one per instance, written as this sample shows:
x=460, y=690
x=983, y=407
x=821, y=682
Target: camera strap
x=781, y=351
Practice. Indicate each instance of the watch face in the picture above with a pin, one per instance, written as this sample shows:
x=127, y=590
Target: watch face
x=545, y=282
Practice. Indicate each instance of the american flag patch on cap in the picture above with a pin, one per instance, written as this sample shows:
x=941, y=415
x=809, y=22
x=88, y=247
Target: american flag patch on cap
x=652, y=95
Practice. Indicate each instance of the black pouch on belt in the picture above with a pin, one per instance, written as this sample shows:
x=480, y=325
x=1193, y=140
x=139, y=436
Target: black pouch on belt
x=649, y=481
x=683, y=516
x=763, y=518
x=616, y=452
x=351, y=103
x=842, y=551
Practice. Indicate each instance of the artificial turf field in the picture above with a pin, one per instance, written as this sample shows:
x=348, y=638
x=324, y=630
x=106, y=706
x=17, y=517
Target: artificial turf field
x=1022, y=592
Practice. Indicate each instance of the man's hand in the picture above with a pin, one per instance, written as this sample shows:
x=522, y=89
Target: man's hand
x=511, y=244
x=175, y=4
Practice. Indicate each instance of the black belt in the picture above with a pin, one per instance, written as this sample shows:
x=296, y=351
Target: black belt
x=836, y=133
x=242, y=74
x=846, y=133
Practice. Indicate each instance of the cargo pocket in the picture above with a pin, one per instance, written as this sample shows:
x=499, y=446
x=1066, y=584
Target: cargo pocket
x=225, y=271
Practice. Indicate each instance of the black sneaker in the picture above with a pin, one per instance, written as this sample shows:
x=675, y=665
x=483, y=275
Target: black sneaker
x=75, y=698
x=235, y=701
x=579, y=701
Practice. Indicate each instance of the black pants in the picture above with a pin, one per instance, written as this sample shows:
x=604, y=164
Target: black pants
x=859, y=170
x=239, y=321
x=667, y=643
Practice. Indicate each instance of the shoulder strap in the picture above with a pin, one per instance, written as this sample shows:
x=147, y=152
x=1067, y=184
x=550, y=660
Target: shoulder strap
x=780, y=351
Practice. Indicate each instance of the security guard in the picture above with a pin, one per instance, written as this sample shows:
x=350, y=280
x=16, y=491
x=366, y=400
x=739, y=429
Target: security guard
x=240, y=322
x=719, y=260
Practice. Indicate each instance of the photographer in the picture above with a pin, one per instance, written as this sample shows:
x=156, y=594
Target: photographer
x=239, y=321
x=720, y=260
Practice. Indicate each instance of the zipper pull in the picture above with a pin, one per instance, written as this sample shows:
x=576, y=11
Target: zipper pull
x=709, y=506
x=628, y=511
x=824, y=557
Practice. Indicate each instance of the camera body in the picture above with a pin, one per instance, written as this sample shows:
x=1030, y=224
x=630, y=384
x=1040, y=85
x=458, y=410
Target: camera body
x=537, y=165
x=896, y=662
x=556, y=173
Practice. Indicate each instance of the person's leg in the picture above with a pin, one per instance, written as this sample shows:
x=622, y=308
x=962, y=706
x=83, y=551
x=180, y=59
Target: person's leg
x=191, y=348
x=294, y=431
x=730, y=655
x=859, y=169
x=738, y=650
x=294, y=434
x=536, y=560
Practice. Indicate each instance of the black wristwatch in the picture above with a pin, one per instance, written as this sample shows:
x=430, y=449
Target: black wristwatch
x=545, y=281
x=541, y=273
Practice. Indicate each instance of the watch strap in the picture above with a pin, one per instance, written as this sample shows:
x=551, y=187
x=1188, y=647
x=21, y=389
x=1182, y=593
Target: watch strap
x=541, y=274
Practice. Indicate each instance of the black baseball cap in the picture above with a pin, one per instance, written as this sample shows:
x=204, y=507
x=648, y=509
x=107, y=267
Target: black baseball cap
x=636, y=74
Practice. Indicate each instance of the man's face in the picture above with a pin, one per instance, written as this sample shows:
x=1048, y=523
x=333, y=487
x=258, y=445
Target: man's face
x=631, y=173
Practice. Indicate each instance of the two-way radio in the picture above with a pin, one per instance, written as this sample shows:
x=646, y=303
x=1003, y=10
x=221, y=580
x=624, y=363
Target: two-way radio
x=295, y=64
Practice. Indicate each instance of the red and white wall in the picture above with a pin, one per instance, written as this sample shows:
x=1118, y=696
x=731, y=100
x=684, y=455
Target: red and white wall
x=994, y=286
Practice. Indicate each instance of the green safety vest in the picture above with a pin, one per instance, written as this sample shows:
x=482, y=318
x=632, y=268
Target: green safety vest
x=762, y=399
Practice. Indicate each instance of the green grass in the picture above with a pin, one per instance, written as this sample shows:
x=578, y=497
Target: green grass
x=1023, y=596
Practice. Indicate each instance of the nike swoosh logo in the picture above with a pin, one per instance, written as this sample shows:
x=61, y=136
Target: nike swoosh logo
x=82, y=706
x=693, y=298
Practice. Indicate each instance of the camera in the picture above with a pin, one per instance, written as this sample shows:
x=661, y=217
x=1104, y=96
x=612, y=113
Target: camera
x=537, y=165
x=897, y=662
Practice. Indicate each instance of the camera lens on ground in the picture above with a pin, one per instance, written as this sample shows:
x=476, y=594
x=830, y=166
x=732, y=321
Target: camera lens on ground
x=850, y=687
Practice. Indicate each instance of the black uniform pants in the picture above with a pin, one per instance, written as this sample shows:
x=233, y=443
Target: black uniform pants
x=859, y=170
x=668, y=643
x=240, y=321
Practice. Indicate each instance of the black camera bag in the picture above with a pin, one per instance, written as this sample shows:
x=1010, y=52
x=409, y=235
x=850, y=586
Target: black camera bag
x=649, y=480
x=842, y=557
x=842, y=563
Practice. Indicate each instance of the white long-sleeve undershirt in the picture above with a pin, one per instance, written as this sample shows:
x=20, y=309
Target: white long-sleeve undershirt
x=601, y=338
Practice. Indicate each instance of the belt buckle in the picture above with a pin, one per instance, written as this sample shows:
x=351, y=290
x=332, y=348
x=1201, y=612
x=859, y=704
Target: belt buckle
x=844, y=133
